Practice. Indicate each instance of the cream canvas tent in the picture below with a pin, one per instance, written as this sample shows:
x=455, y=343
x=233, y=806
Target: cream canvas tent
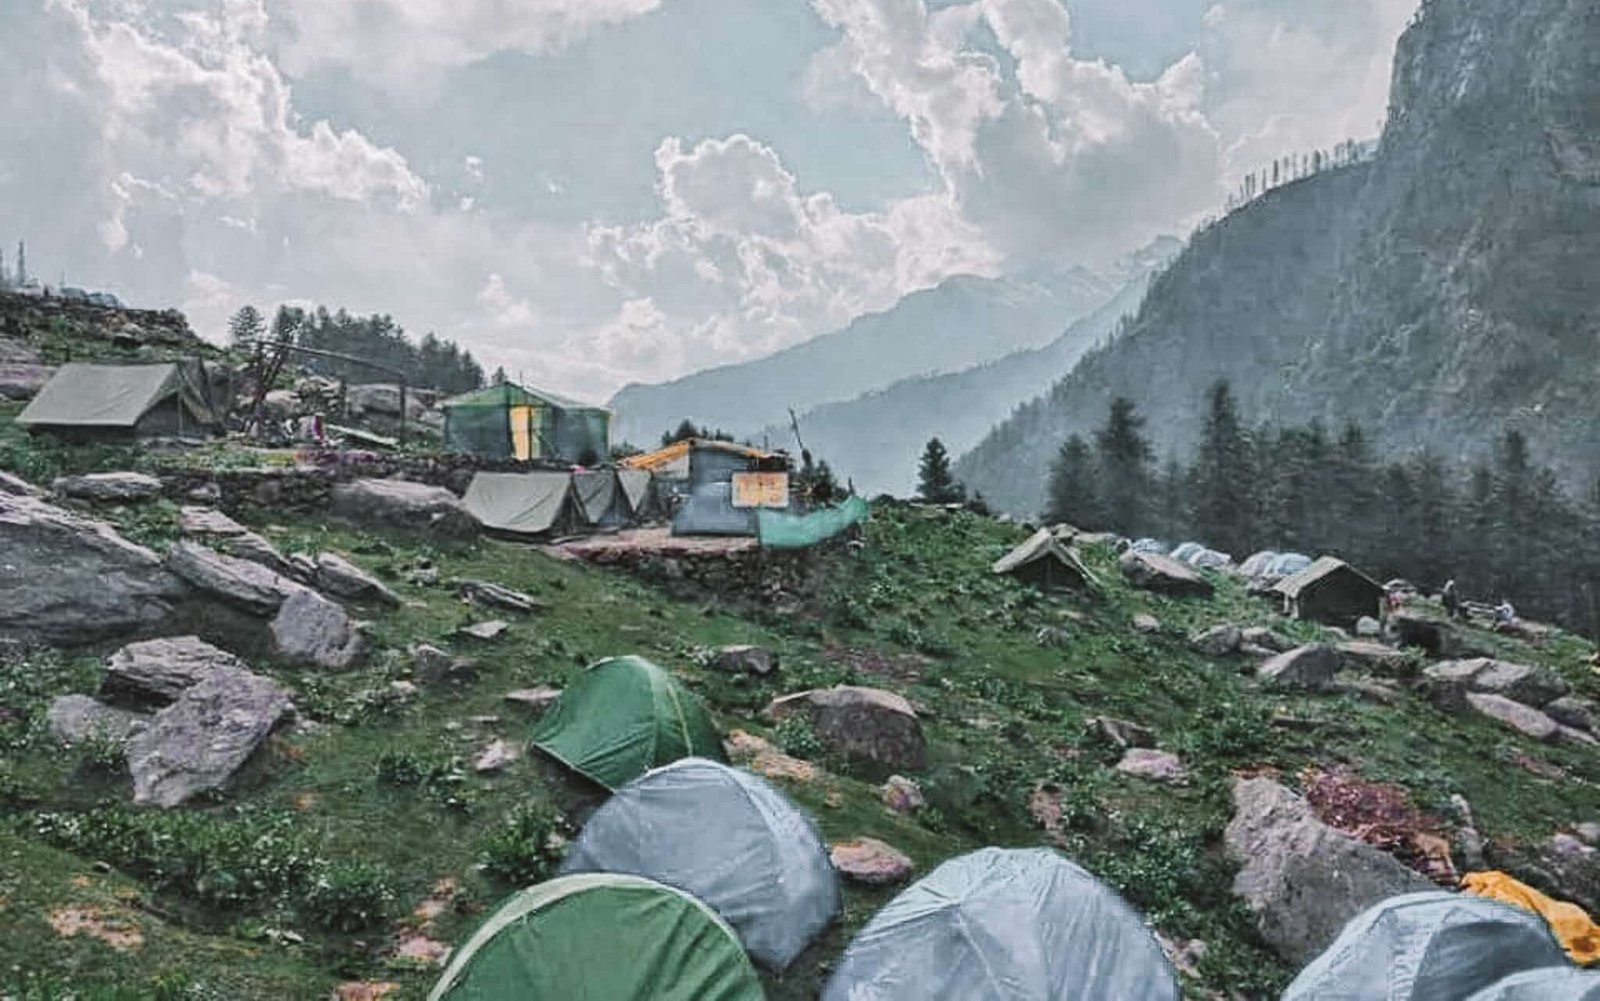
x=638, y=487
x=127, y=402
x=528, y=505
x=602, y=503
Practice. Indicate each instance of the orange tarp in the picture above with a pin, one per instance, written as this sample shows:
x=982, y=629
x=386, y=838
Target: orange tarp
x=1572, y=926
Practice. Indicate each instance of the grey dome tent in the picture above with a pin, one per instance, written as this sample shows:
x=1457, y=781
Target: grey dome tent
x=765, y=869
x=1434, y=946
x=1558, y=983
x=1005, y=925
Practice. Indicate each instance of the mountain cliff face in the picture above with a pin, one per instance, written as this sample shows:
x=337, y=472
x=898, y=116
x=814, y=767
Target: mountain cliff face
x=1438, y=293
x=875, y=440
x=963, y=321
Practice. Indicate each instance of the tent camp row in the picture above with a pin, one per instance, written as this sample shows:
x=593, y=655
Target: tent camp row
x=712, y=871
x=549, y=504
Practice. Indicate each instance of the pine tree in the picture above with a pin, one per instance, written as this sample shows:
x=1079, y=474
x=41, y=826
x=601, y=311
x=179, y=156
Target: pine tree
x=1125, y=457
x=1075, y=487
x=1223, y=478
x=246, y=326
x=935, y=484
x=288, y=325
x=499, y=378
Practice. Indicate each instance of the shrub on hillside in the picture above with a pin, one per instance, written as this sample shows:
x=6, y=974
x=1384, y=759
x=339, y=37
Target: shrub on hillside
x=527, y=848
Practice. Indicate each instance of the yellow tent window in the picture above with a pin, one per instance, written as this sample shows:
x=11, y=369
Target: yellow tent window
x=524, y=432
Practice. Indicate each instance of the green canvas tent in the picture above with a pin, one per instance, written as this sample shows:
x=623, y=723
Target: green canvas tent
x=623, y=717
x=528, y=505
x=127, y=402
x=601, y=937
x=508, y=421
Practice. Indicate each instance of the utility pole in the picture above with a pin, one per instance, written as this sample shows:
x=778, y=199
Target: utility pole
x=22, y=263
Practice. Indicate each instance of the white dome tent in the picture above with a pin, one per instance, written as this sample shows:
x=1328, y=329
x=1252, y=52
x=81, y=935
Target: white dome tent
x=729, y=838
x=1005, y=925
x=1557, y=983
x=1434, y=946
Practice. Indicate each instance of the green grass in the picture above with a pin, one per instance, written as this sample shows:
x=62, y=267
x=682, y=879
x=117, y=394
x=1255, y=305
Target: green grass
x=377, y=784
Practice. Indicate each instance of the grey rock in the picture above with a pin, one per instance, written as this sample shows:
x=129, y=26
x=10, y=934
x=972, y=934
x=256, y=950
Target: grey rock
x=1146, y=623
x=490, y=595
x=433, y=666
x=309, y=629
x=536, y=700
x=1368, y=627
x=1218, y=641
x=1588, y=833
x=1256, y=652
x=74, y=719
x=1264, y=637
x=870, y=861
x=256, y=549
x=401, y=504
x=341, y=578
x=66, y=580
x=902, y=795
x=1369, y=689
x=1154, y=766
x=1569, y=735
x=1119, y=733
x=13, y=351
x=1163, y=575
x=1526, y=720
x=239, y=582
x=1366, y=655
x=866, y=723
x=108, y=488
x=206, y=522
x=17, y=486
x=1530, y=685
x=1572, y=711
x=498, y=756
x=23, y=380
x=1562, y=866
x=745, y=660
x=160, y=670
x=1308, y=668
x=1302, y=879
x=1436, y=636
x=485, y=630
x=197, y=744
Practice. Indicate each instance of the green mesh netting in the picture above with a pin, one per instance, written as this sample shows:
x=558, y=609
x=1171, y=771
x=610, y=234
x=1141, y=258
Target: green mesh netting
x=782, y=530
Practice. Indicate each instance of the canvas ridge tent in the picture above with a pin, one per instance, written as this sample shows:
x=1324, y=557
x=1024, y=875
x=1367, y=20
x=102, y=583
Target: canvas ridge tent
x=128, y=402
x=527, y=505
x=605, y=937
x=602, y=502
x=767, y=871
x=1004, y=925
x=1425, y=947
x=1046, y=560
x=1331, y=591
x=623, y=717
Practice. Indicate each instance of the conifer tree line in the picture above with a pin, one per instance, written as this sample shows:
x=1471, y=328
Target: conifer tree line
x=431, y=363
x=1505, y=528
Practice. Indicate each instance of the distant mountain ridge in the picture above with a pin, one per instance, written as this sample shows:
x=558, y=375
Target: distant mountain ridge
x=962, y=322
x=1437, y=294
x=875, y=439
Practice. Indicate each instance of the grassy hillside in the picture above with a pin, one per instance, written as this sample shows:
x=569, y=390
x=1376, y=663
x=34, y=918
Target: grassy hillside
x=308, y=873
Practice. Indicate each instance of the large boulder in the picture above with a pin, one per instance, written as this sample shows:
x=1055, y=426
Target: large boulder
x=1571, y=711
x=74, y=719
x=1531, y=685
x=18, y=486
x=401, y=504
x=866, y=723
x=1309, y=668
x=1439, y=637
x=309, y=629
x=1154, y=766
x=870, y=861
x=160, y=670
x=229, y=537
x=108, y=488
x=23, y=380
x=1377, y=658
x=1163, y=575
x=1526, y=720
x=205, y=522
x=1267, y=639
x=1218, y=641
x=1562, y=866
x=239, y=582
x=197, y=744
x=1301, y=878
x=744, y=660
x=342, y=579
x=66, y=580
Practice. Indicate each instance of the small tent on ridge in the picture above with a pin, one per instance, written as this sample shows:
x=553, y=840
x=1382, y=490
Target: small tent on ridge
x=1047, y=561
x=1004, y=925
x=1556, y=983
x=601, y=936
x=1427, y=947
x=527, y=505
x=766, y=872
x=128, y=402
x=623, y=717
x=1330, y=591
x=602, y=503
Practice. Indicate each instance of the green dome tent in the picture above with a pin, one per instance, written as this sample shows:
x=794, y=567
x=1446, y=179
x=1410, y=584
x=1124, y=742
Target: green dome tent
x=1558, y=983
x=624, y=717
x=1434, y=946
x=600, y=937
x=767, y=871
x=1005, y=925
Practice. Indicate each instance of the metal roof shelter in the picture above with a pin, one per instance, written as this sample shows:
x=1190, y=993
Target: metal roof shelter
x=508, y=421
x=126, y=402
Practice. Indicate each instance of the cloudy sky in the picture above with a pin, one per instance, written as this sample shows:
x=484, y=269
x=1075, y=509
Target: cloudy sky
x=596, y=191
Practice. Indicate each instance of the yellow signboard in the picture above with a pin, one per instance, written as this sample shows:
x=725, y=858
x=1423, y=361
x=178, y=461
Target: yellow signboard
x=761, y=490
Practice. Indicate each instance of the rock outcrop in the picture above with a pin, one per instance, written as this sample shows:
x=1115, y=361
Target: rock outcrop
x=242, y=583
x=158, y=671
x=66, y=580
x=1163, y=575
x=311, y=630
x=1308, y=668
x=74, y=719
x=197, y=744
x=342, y=579
x=1301, y=878
x=108, y=488
x=866, y=723
x=403, y=505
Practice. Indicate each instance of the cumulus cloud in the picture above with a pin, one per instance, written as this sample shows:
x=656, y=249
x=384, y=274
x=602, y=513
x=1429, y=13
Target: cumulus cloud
x=402, y=44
